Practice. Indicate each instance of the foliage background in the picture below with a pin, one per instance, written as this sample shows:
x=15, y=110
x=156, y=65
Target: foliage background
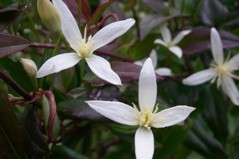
x=211, y=132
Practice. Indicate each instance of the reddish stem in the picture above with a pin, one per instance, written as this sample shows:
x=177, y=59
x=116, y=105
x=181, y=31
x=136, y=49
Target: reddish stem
x=52, y=115
x=98, y=25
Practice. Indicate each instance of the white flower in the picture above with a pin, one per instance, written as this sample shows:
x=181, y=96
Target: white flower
x=84, y=47
x=221, y=70
x=162, y=71
x=146, y=116
x=169, y=43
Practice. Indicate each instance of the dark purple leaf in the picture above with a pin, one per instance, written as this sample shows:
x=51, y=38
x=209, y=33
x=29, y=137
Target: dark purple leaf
x=126, y=71
x=73, y=6
x=11, y=132
x=150, y=22
x=35, y=141
x=11, y=44
x=156, y=6
x=199, y=40
x=77, y=109
x=9, y=14
x=213, y=12
x=85, y=11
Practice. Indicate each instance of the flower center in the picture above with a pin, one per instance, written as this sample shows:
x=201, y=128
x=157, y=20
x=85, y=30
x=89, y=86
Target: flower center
x=222, y=70
x=146, y=118
x=169, y=43
x=85, y=46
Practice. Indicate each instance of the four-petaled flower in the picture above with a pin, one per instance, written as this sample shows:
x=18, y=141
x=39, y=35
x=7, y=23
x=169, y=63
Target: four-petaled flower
x=145, y=117
x=221, y=70
x=84, y=47
x=171, y=43
x=162, y=71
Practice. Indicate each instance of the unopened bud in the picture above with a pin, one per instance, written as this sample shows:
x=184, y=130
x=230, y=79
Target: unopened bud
x=29, y=66
x=48, y=14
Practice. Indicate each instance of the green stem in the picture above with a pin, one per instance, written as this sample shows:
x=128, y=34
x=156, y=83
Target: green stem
x=82, y=68
x=58, y=45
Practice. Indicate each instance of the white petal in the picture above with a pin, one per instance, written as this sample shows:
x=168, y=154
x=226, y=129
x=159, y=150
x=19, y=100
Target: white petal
x=199, y=77
x=102, y=69
x=147, y=86
x=154, y=58
x=69, y=26
x=165, y=33
x=140, y=63
x=171, y=116
x=164, y=71
x=144, y=143
x=58, y=63
x=111, y=32
x=216, y=45
x=233, y=63
x=180, y=36
x=230, y=89
x=176, y=50
x=116, y=111
x=159, y=41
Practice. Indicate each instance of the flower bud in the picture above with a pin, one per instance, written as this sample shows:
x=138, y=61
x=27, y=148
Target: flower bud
x=48, y=14
x=29, y=66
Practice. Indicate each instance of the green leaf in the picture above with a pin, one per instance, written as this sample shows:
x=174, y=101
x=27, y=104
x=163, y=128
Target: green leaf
x=63, y=152
x=142, y=48
x=11, y=133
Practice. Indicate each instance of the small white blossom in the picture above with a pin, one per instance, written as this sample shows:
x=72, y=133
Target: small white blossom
x=84, y=46
x=170, y=43
x=162, y=71
x=146, y=116
x=220, y=71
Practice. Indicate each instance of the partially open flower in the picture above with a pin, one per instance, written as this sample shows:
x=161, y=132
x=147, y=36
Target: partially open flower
x=48, y=14
x=29, y=66
x=170, y=43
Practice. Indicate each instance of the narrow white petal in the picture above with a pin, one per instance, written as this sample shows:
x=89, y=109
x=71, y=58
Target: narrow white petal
x=216, y=45
x=171, y=116
x=177, y=51
x=159, y=41
x=111, y=32
x=199, y=77
x=180, y=36
x=116, y=111
x=102, y=69
x=147, y=86
x=230, y=89
x=154, y=58
x=58, y=63
x=144, y=143
x=233, y=63
x=164, y=71
x=165, y=33
x=69, y=26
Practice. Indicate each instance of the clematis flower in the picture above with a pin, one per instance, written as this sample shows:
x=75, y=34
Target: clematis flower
x=84, y=47
x=220, y=71
x=162, y=71
x=146, y=116
x=170, y=43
